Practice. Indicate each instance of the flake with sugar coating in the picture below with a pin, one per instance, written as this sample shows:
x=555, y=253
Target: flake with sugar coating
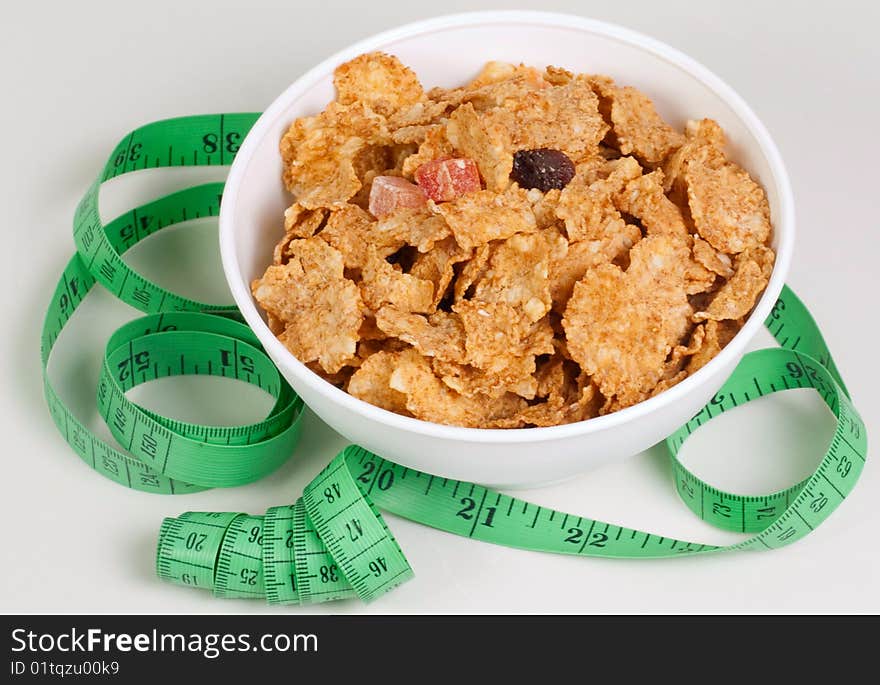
x=554, y=413
x=485, y=138
x=383, y=284
x=729, y=209
x=415, y=134
x=494, y=329
x=588, y=209
x=568, y=395
x=544, y=206
x=319, y=152
x=352, y=231
x=486, y=96
x=477, y=218
x=709, y=257
x=372, y=161
x=715, y=335
x=704, y=143
x=428, y=398
x=698, y=279
x=389, y=194
x=446, y=179
x=372, y=381
x=557, y=76
x=621, y=326
x=495, y=71
x=517, y=274
x=568, y=265
x=320, y=308
x=515, y=375
x=438, y=266
x=643, y=198
x=369, y=330
x=637, y=126
x=562, y=117
x=735, y=299
x=301, y=222
x=298, y=223
x=418, y=227
x=422, y=113
x=439, y=335
x=378, y=80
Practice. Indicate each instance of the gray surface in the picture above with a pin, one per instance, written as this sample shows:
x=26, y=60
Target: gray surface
x=77, y=78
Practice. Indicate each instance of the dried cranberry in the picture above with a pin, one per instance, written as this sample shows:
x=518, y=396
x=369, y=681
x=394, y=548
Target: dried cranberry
x=543, y=169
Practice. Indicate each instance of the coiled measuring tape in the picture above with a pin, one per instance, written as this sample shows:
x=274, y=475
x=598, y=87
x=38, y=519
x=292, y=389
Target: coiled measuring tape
x=332, y=542
x=179, y=337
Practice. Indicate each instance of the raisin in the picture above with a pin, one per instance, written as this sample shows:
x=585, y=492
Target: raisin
x=543, y=169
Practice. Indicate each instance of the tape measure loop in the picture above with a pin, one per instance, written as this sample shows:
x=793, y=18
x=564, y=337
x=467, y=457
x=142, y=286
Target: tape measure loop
x=760, y=373
x=165, y=455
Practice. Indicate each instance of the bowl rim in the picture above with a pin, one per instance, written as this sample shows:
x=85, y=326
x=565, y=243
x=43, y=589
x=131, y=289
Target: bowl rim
x=783, y=226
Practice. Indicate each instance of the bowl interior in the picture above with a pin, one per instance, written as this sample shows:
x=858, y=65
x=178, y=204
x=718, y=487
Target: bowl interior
x=447, y=52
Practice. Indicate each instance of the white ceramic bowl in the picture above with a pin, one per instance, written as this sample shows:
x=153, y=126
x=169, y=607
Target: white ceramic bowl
x=447, y=51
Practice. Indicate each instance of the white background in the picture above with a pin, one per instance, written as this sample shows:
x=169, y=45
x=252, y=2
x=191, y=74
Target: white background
x=77, y=77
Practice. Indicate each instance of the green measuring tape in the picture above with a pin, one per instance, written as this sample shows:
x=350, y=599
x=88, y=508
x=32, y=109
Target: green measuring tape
x=332, y=543
x=179, y=337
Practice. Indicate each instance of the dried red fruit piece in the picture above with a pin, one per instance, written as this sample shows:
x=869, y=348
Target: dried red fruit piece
x=390, y=193
x=446, y=179
x=543, y=169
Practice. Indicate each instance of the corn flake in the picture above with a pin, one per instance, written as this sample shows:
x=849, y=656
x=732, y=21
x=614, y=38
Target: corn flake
x=493, y=329
x=559, y=117
x=434, y=146
x=515, y=376
x=428, y=398
x=715, y=335
x=484, y=96
x=704, y=143
x=622, y=325
x=384, y=284
x=419, y=227
x=643, y=198
x=477, y=218
x=735, y=299
x=569, y=266
x=378, y=80
x=496, y=72
x=437, y=266
x=372, y=381
x=729, y=209
x=709, y=257
x=517, y=274
x=320, y=308
x=569, y=395
x=471, y=272
x=439, y=335
x=588, y=209
x=298, y=223
x=351, y=231
x=637, y=126
x=484, y=138
x=319, y=152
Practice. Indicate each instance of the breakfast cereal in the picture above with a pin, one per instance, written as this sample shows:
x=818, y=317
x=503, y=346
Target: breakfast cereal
x=533, y=248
